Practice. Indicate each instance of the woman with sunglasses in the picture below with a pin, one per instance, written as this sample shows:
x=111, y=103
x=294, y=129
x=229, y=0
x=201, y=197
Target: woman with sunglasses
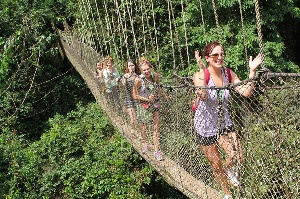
x=212, y=120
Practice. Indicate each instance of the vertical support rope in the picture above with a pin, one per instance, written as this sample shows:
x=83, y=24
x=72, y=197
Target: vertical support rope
x=202, y=17
x=148, y=26
x=88, y=38
x=91, y=39
x=243, y=31
x=217, y=20
x=94, y=22
x=143, y=26
x=171, y=37
x=132, y=28
x=125, y=29
x=185, y=35
x=264, y=68
x=241, y=189
x=259, y=32
x=155, y=33
x=177, y=37
x=114, y=27
x=81, y=4
x=118, y=25
x=110, y=28
x=101, y=28
x=123, y=32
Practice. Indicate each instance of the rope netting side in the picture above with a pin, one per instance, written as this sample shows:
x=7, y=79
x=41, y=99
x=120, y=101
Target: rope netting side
x=114, y=107
x=267, y=124
x=270, y=147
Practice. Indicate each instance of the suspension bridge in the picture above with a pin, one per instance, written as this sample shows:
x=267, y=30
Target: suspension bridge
x=267, y=123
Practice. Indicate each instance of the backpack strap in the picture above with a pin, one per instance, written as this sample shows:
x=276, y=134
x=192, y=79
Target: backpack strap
x=207, y=75
x=229, y=75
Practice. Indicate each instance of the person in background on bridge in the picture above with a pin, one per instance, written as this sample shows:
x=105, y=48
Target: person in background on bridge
x=100, y=66
x=132, y=72
x=111, y=78
x=145, y=90
x=99, y=69
x=212, y=121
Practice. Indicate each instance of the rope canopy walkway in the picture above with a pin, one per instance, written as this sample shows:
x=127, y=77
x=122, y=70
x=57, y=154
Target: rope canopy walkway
x=267, y=124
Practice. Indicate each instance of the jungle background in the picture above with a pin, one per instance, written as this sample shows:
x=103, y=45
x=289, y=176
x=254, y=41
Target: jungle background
x=55, y=141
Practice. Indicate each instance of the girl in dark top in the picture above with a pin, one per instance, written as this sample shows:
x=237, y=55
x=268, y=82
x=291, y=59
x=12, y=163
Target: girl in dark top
x=132, y=72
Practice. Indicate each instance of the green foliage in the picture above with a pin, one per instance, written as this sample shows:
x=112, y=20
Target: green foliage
x=81, y=156
x=6, y=58
x=32, y=72
x=276, y=156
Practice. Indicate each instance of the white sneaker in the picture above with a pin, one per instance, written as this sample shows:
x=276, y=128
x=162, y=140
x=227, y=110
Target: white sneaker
x=227, y=197
x=233, y=177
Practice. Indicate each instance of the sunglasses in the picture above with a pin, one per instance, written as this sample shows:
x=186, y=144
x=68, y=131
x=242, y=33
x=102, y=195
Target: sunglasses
x=216, y=55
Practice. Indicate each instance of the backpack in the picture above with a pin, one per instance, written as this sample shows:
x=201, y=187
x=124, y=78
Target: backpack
x=207, y=75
